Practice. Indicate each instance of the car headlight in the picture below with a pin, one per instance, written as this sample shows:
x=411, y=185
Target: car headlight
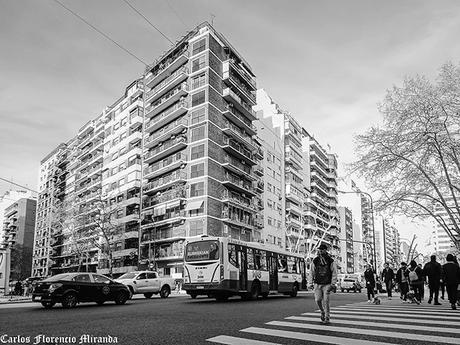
x=54, y=287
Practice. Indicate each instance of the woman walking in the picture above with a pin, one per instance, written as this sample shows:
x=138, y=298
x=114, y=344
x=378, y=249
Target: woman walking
x=415, y=275
x=369, y=276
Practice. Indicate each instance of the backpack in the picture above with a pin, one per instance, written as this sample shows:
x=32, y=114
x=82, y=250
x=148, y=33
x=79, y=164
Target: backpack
x=413, y=276
x=323, y=273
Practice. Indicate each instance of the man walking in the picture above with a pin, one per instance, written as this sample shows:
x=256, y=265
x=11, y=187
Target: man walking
x=324, y=276
x=451, y=277
x=388, y=276
x=432, y=270
x=402, y=281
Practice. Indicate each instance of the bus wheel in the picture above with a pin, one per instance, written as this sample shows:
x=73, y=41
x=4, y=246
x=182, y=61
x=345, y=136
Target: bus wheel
x=255, y=291
x=221, y=297
x=294, y=291
x=193, y=295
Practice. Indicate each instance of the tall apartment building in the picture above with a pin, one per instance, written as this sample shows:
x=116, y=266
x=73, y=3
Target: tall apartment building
x=322, y=204
x=444, y=243
x=346, y=240
x=367, y=228
x=199, y=154
x=289, y=175
x=7, y=199
x=18, y=229
x=387, y=242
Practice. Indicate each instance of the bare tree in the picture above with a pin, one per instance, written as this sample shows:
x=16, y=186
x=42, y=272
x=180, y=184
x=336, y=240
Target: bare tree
x=412, y=160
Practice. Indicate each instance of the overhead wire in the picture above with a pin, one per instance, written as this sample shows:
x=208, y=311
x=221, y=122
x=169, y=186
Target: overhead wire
x=148, y=21
x=101, y=32
x=174, y=11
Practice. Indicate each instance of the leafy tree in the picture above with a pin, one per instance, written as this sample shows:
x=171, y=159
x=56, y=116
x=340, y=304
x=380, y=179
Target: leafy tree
x=21, y=262
x=412, y=159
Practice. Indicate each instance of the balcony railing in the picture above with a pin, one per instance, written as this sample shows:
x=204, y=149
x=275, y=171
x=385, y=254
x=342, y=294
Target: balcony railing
x=238, y=134
x=236, y=148
x=240, y=184
x=167, y=100
x=171, y=128
x=165, y=181
x=236, y=166
x=236, y=198
x=162, y=166
x=176, y=77
x=246, y=76
x=177, y=193
x=248, y=95
x=171, y=63
x=241, y=105
x=168, y=147
x=169, y=114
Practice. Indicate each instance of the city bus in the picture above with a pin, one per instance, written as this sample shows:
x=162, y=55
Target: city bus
x=221, y=267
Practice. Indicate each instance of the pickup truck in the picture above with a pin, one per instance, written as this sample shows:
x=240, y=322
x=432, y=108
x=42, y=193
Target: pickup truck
x=147, y=283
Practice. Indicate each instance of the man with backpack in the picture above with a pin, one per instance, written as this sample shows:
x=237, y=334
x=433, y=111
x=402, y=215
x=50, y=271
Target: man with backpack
x=415, y=274
x=432, y=270
x=324, y=276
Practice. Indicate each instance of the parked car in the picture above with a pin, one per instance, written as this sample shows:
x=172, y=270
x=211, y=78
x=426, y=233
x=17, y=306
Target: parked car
x=69, y=289
x=147, y=283
x=350, y=284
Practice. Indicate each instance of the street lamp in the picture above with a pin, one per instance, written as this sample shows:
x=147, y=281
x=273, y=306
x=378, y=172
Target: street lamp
x=374, y=255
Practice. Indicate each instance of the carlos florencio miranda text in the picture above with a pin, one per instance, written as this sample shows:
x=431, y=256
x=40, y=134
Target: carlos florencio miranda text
x=57, y=340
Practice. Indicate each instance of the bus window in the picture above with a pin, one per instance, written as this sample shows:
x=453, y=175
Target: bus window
x=250, y=252
x=232, y=255
x=200, y=251
x=260, y=260
x=292, y=267
x=282, y=264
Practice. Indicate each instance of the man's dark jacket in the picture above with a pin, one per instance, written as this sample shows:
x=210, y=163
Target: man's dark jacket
x=388, y=275
x=432, y=270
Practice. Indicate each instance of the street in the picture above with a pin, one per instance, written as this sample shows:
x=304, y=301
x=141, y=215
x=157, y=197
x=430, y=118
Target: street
x=277, y=320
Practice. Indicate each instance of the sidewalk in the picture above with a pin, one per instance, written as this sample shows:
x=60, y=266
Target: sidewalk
x=14, y=299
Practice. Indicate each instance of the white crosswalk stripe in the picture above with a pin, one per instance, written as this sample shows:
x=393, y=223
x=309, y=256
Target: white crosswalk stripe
x=359, y=324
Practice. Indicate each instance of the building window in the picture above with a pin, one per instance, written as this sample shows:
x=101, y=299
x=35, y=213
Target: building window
x=199, y=46
x=197, y=170
x=121, y=182
x=198, y=133
x=198, y=98
x=198, y=81
x=197, y=212
x=197, y=189
x=198, y=63
x=197, y=151
x=196, y=228
x=198, y=115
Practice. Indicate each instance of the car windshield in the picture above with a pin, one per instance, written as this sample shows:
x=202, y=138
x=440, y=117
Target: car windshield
x=202, y=251
x=129, y=275
x=63, y=276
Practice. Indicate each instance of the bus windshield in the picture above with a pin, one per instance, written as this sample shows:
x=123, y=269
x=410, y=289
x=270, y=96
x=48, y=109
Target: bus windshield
x=202, y=251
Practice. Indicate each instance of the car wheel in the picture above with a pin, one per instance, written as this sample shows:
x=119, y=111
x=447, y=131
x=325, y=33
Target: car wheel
x=148, y=295
x=221, y=297
x=343, y=290
x=121, y=298
x=165, y=291
x=193, y=295
x=294, y=291
x=48, y=305
x=69, y=300
x=100, y=302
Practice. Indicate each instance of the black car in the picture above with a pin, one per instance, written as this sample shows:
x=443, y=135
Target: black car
x=72, y=288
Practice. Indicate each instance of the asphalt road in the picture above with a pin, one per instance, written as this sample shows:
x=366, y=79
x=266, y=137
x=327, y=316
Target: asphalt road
x=175, y=320
x=276, y=320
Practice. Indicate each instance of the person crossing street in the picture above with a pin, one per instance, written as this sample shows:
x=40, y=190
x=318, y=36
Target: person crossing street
x=451, y=277
x=432, y=270
x=387, y=277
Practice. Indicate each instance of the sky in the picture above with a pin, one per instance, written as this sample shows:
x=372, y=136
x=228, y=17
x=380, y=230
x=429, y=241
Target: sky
x=327, y=62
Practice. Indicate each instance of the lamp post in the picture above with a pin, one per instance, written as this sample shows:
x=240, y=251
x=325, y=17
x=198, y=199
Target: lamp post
x=374, y=255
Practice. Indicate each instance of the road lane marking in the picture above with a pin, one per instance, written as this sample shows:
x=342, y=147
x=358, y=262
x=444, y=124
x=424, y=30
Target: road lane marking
x=366, y=331
x=419, y=321
x=226, y=339
x=382, y=325
x=407, y=315
x=382, y=311
x=312, y=337
x=401, y=307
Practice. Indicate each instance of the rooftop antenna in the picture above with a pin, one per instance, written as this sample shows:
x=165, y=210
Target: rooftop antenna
x=212, y=19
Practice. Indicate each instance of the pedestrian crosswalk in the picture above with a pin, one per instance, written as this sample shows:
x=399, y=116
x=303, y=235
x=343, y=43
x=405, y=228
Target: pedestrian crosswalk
x=358, y=323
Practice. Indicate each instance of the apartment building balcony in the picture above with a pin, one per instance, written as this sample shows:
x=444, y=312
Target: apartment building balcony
x=236, y=183
x=238, y=200
x=236, y=133
x=259, y=221
x=163, y=134
x=315, y=165
x=245, y=76
x=236, y=149
x=235, y=166
x=167, y=100
x=293, y=208
x=172, y=198
x=293, y=194
x=245, y=93
x=167, y=84
x=234, y=220
x=164, y=71
x=315, y=174
x=259, y=185
x=239, y=120
x=258, y=170
x=292, y=221
x=294, y=159
x=294, y=233
x=84, y=141
x=166, y=219
x=168, y=115
x=165, y=182
x=166, y=149
x=162, y=167
x=319, y=187
x=243, y=107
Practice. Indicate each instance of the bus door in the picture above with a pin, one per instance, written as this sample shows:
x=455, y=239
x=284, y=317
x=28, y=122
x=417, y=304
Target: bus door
x=242, y=259
x=272, y=271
